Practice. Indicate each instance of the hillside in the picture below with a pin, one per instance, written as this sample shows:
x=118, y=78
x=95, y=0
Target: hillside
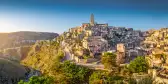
x=84, y=47
x=157, y=46
x=48, y=57
x=16, y=39
x=96, y=54
x=10, y=70
x=157, y=40
x=15, y=54
x=42, y=55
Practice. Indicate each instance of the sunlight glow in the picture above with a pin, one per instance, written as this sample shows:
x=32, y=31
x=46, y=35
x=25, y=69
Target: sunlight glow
x=7, y=26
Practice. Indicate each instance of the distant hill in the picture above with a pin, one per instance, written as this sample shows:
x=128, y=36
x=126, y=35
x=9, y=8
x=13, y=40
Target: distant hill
x=17, y=39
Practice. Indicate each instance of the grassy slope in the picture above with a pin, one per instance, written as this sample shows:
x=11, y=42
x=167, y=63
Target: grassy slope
x=11, y=69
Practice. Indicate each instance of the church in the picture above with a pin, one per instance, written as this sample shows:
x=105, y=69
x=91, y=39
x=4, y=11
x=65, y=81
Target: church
x=88, y=26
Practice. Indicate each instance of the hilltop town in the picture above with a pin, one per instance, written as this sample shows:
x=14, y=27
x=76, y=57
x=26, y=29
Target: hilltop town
x=95, y=53
x=86, y=44
x=98, y=38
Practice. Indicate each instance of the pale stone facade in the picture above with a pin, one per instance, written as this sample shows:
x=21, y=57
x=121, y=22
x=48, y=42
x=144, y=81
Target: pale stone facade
x=92, y=20
x=120, y=53
x=120, y=47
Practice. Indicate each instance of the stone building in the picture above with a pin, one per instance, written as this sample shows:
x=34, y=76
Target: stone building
x=76, y=29
x=128, y=36
x=120, y=53
x=120, y=47
x=102, y=37
x=84, y=25
x=96, y=44
x=92, y=20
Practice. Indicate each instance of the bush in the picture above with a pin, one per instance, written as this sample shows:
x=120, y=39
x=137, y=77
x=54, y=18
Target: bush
x=96, y=78
x=100, y=77
x=109, y=60
x=139, y=64
x=132, y=81
x=146, y=80
x=76, y=74
x=38, y=80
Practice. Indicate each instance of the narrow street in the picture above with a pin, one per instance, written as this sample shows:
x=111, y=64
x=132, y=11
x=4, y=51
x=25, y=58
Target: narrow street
x=89, y=65
x=67, y=54
x=92, y=66
x=66, y=51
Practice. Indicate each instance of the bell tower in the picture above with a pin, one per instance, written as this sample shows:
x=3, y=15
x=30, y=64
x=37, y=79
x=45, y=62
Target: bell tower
x=92, y=20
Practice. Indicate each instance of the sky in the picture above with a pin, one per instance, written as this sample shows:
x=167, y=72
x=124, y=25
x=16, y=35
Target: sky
x=60, y=15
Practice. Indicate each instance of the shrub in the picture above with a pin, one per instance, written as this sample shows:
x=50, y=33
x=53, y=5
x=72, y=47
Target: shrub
x=139, y=64
x=38, y=80
x=109, y=60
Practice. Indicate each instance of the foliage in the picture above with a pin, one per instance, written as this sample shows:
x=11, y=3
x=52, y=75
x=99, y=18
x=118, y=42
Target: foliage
x=38, y=80
x=139, y=64
x=76, y=74
x=86, y=56
x=59, y=57
x=96, y=78
x=63, y=73
x=69, y=73
x=24, y=51
x=48, y=60
x=132, y=81
x=146, y=80
x=109, y=60
x=101, y=77
x=115, y=79
x=43, y=59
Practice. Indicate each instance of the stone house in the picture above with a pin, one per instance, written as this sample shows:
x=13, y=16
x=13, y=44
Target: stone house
x=96, y=44
x=76, y=29
x=120, y=53
x=84, y=25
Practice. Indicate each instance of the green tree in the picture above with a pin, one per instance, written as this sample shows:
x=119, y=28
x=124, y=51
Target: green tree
x=38, y=80
x=132, y=81
x=101, y=77
x=96, y=78
x=109, y=60
x=139, y=64
x=76, y=74
x=115, y=79
x=146, y=80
